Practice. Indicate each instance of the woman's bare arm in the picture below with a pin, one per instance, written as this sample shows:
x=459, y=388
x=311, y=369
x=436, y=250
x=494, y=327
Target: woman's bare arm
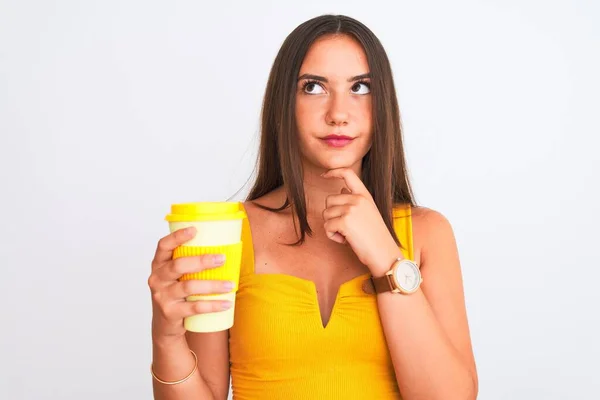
x=427, y=332
x=171, y=343
x=172, y=360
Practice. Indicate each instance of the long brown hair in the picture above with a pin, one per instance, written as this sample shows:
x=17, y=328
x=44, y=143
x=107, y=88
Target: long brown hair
x=384, y=170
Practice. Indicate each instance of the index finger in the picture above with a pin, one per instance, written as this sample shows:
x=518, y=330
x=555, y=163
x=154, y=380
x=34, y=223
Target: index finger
x=166, y=245
x=354, y=183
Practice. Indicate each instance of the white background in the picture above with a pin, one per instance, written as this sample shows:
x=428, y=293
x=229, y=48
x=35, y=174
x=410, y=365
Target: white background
x=110, y=111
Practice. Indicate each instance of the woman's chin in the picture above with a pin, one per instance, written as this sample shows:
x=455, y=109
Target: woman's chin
x=335, y=163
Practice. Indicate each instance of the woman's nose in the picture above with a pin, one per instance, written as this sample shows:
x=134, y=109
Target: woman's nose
x=338, y=110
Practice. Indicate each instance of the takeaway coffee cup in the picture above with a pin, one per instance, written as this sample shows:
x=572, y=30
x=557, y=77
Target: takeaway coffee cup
x=218, y=231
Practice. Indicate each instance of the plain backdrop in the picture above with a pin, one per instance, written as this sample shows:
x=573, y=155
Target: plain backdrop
x=112, y=110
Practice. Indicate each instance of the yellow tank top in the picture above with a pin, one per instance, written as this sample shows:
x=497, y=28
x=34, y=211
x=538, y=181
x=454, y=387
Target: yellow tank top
x=279, y=348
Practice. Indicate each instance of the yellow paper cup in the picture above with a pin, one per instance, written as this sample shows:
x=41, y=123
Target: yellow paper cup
x=218, y=231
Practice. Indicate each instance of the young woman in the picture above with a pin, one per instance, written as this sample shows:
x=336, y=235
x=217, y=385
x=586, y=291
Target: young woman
x=348, y=290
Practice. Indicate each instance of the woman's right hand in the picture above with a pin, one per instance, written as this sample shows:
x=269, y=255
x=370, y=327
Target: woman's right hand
x=169, y=306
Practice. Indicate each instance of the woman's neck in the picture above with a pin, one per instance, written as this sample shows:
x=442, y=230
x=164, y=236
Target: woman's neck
x=317, y=188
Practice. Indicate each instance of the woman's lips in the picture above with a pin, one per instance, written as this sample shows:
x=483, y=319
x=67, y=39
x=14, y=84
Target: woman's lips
x=337, y=140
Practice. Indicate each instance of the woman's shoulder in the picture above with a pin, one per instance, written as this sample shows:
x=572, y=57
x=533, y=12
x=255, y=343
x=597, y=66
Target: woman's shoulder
x=429, y=222
x=275, y=199
x=428, y=217
x=260, y=218
x=431, y=229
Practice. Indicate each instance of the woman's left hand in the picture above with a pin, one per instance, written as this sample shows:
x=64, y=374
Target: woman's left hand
x=353, y=217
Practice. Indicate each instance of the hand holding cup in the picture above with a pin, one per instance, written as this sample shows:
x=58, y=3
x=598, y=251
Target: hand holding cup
x=199, y=263
x=169, y=292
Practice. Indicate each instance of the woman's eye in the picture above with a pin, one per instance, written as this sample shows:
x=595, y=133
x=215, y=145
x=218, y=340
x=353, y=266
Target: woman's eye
x=313, y=88
x=361, y=88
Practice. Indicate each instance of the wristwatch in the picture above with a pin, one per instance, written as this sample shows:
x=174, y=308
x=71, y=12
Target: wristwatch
x=404, y=277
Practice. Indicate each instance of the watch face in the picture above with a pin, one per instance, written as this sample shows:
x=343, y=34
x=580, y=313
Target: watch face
x=408, y=276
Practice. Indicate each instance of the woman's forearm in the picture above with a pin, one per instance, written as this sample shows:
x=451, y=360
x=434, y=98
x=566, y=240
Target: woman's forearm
x=172, y=361
x=426, y=363
x=427, y=366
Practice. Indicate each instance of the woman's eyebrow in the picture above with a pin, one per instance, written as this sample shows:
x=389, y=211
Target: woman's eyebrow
x=313, y=77
x=360, y=77
x=323, y=79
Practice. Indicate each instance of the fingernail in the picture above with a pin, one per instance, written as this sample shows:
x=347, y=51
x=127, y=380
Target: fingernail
x=226, y=305
x=219, y=258
x=190, y=230
x=228, y=285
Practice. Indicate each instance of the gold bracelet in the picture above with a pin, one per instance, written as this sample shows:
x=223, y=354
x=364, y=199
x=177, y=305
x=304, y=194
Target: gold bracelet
x=181, y=380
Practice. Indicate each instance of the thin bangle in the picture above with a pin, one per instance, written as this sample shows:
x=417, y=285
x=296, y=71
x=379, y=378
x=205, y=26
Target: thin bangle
x=181, y=380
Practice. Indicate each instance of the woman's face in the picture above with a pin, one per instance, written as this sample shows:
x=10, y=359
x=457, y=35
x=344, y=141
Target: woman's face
x=333, y=104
